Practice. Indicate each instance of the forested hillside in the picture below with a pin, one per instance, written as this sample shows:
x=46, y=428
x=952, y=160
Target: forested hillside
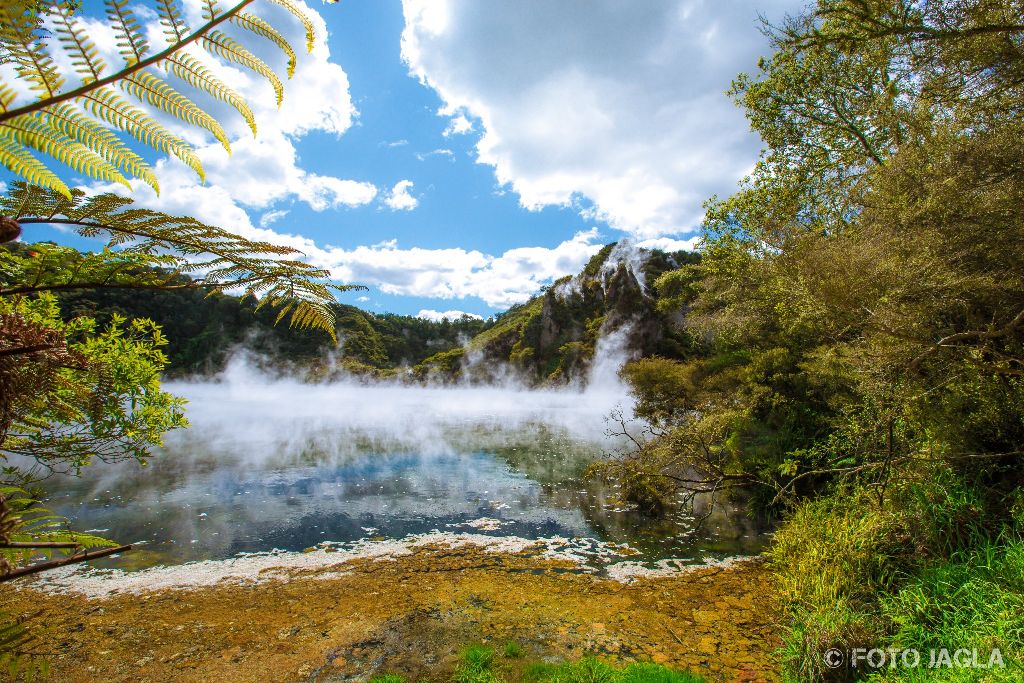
x=550, y=339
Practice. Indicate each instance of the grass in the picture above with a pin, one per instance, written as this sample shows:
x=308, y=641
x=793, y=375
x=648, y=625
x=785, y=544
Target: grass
x=512, y=650
x=592, y=670
x=928, y=570
x=480, y=665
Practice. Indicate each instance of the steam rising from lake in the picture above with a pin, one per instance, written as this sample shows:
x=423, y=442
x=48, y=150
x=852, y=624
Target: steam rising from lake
x=273, y=463
x=244, y=406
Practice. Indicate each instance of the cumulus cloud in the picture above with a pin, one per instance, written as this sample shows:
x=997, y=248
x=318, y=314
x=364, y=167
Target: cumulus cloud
x=509, y=278
x=621, y=104
x=264, y=169
x=399, y=198
x=438, y=316
x=458, y=125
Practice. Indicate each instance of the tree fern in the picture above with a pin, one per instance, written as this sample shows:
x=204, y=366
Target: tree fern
x=140, y=238
x=42, y=125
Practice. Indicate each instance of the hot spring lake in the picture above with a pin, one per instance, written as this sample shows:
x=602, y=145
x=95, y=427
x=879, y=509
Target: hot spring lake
x=282, y=465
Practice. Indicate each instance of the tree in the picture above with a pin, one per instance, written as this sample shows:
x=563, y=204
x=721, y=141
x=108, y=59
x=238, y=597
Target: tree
x=861, y=293
x=71, y=392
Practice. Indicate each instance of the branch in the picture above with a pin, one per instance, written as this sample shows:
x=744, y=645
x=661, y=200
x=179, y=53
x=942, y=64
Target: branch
x=73, y=559
x=19, y=350
x=128, y=71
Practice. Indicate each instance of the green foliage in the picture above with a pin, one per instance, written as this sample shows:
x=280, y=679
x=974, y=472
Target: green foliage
x=74, y=110
x=552, y=337
x=476, y=666
x=931, y=570
x=24, y=521
x=387, y=678
x=512, y=650
x=17, y=645
x=73, y=392
x=593, y=670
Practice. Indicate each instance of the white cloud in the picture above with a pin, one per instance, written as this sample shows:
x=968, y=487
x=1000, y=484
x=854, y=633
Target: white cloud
x=458, y=125
x=669, y=244
x=619, y=103
x=447, y=153
x=399, y=199
x=272, y=217
x=438, y=316
x=512, y=277
x=264, y=169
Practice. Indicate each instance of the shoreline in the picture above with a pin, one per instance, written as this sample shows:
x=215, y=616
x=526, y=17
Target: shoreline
x=581, y=555
x=409, y=608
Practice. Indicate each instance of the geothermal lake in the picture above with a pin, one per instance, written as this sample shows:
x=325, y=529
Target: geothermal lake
x=275, y=464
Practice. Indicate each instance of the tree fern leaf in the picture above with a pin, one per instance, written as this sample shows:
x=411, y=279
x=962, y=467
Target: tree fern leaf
x=27, y=52
x=153, y=90
x=101, y=140
x=175, y=27
x=210, y=9
x=79, y=48
x=307, y=23
x=195, y=73
x=262, y=28
x=106, y=105
x=7, y=95
x=130, y=40
x=17, y=159
x=221, y=44
x=33, y=131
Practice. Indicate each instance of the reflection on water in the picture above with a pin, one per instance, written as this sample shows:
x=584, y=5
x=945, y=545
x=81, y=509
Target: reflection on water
x=284, y=465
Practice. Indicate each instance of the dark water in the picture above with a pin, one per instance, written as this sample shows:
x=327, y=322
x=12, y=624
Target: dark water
x=288, y=466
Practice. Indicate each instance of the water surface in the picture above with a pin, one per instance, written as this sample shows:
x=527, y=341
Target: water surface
x=278, y=464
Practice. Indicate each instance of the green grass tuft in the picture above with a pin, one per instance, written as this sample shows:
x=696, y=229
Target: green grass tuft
x=387, y=678
x=512, y=650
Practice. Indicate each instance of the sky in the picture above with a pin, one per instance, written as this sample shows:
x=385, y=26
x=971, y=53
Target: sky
x=455, y=155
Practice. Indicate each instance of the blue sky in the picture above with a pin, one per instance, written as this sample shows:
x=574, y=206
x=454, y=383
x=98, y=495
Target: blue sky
x=455, y=155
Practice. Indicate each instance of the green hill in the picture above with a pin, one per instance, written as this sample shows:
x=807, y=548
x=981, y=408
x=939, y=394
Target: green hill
x=550, y=339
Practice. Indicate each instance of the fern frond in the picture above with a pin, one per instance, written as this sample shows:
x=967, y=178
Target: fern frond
x=27, y=51
x=224, y=261
x=210, y=10
x=175, y=27
x=79, y=48
x=223, y=45
x=307, y=23
x=33, y=131
x=101, y=140
x=18, y=160
x=7, y=95
x=262, y=28
x=130, y=41
x=195, y=73
x=23, y=45
x=151, y=89
x=106, y=105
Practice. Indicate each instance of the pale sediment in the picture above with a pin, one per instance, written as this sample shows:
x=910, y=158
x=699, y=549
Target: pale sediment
x=581, y=554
